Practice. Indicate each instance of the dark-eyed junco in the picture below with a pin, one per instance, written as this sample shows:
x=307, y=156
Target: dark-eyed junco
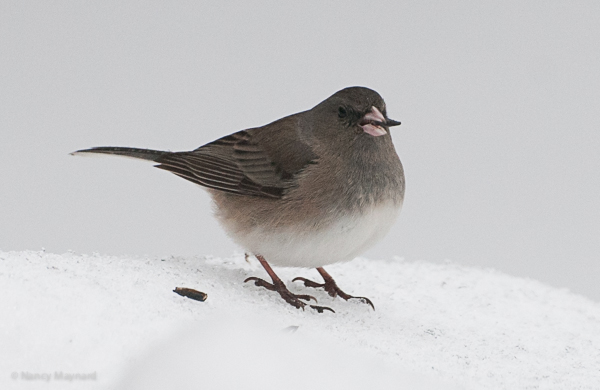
x=307, y=190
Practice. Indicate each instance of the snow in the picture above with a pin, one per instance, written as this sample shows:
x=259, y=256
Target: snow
x=113, y=322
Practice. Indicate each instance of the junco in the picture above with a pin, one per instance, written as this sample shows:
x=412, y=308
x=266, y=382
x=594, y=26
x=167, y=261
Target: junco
x=308, y=190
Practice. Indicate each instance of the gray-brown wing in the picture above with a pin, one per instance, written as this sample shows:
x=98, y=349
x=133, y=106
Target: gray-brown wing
x=243, y=163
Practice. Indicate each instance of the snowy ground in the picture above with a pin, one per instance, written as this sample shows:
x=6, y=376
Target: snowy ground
x=116, y=323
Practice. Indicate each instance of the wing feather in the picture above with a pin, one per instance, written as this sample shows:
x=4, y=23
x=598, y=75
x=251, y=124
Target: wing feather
x=244, y=163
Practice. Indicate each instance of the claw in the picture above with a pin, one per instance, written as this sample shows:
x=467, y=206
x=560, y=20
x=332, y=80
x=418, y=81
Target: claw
x=320, y=309
x=331, y=287
x=261, y=283
x=308, y=282
x=307, y=298
x=287, y=295
x=364, y=300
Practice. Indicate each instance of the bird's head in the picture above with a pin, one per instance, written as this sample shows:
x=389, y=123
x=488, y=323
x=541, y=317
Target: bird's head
x=354, y=111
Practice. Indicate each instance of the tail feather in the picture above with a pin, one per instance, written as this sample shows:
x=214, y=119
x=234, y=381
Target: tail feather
x=144, y=154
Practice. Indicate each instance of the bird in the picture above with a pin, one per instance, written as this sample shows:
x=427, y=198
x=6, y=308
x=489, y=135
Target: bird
x=308, y=190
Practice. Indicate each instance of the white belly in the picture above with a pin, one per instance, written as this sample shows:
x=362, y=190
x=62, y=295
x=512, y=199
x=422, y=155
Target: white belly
x=343, y=240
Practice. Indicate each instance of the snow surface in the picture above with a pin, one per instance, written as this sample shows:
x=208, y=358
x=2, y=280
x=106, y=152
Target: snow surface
x=436, y=326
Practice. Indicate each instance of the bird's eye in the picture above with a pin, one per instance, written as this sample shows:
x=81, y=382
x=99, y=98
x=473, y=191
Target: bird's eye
x=342, y=113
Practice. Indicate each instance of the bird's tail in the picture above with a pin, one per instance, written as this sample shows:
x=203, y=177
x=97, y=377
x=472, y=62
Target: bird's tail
x=144, y=154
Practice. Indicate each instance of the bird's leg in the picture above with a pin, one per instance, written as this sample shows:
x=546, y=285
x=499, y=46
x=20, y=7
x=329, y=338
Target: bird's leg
x=331, y=287
x=279, y=286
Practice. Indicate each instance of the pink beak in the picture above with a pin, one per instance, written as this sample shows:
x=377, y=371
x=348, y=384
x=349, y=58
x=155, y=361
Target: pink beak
x=371, y=123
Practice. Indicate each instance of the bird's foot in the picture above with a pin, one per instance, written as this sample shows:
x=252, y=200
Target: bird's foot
x=287, y=295
x=333, y=290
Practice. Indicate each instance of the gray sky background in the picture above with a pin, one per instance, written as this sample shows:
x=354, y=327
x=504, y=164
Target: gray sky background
x=499, y=103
